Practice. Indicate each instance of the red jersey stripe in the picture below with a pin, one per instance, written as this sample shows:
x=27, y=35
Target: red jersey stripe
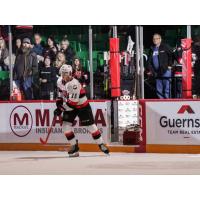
x=72, y=102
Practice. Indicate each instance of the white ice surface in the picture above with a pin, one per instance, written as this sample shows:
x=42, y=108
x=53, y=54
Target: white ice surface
x=52, y=162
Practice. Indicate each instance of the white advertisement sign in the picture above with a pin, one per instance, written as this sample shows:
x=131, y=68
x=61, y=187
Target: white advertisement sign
x=171, y=122
x=27, y=122
x=127, y=113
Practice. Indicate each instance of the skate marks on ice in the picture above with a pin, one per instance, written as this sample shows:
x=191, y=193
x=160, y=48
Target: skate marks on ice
x=149, y=164
x=40, y=157
x=54, y=162
x=59, y=157
x=46, y=163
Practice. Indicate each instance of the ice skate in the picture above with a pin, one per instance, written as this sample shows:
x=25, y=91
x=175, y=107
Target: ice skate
x=74, y=150
x=103, y=148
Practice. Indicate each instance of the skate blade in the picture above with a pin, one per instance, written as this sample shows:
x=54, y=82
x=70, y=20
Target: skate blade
x=74, y=155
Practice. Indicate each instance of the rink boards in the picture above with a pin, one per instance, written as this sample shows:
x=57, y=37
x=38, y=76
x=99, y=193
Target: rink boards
x=171, y=126
x=167, y=126
x=25, y=122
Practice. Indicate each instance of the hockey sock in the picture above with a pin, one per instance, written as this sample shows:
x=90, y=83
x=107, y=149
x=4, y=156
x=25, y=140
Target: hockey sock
x=95, y=133
x=71, y=138
x=97, y=137
x=67, y=129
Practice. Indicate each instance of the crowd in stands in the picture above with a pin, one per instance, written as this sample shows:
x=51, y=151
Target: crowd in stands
x=36, y=66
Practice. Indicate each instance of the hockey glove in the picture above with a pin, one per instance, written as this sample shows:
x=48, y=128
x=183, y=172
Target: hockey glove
x=59, y=102
x=57, y=112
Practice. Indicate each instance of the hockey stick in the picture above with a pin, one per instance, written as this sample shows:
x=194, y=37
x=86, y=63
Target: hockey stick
x=49, y=131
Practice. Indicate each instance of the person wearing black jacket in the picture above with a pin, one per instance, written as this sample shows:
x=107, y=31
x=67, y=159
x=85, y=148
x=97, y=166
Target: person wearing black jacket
x=196, y=68
x=3, y=55
x=79, y=73
x=51, y=49
x=159, y=65
x=38, y=49
x=25, y=72
x=18, y=46
x=47, y=80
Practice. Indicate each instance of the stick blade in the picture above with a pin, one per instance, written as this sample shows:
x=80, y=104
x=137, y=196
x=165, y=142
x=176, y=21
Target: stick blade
x=42, y=141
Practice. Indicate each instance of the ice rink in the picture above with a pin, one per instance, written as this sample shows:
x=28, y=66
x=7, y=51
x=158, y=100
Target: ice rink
x=52, y=162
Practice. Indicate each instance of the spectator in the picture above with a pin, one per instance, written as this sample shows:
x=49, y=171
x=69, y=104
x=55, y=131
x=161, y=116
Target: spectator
x=177, y=57
x=51, y=49
x=68, y=51
x=47, y=80
x=60, y=60
x=159, y=65
x=25, y=72
x=77, y=64
x=3, y=55
x=38, y=49
x=18, y=44
x=79, y=74
x=196, y=51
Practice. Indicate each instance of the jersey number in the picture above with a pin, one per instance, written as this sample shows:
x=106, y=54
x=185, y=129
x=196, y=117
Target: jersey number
x=74, y=96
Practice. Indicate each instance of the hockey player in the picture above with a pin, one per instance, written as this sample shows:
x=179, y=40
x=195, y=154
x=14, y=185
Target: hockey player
x=72, y=102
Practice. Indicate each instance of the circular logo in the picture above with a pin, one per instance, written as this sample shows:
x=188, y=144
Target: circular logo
x=21, y=121
x=69, y=88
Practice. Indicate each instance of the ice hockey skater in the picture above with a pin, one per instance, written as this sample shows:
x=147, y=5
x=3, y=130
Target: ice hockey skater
x=72, y=102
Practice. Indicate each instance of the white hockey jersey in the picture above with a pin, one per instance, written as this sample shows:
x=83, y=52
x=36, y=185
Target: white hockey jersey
x=73, y=93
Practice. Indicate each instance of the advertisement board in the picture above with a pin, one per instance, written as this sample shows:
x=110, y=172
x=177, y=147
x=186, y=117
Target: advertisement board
x=127, y=116
x=173, y=122
x=28, y=121
x=127, y=113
